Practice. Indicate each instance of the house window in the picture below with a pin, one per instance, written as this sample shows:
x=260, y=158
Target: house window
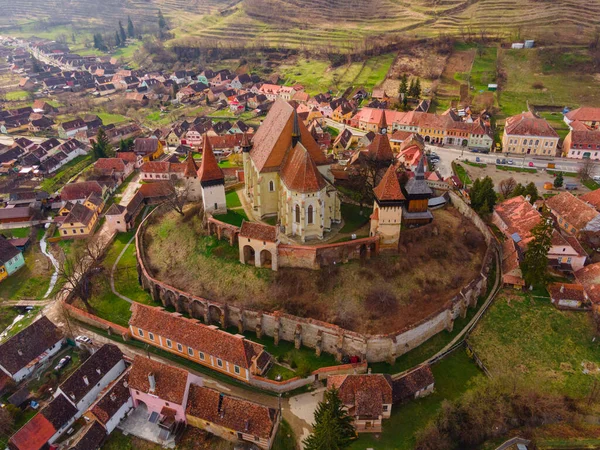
x=169, y=343
x=310, y=214
x=271, y=186
x=236, y=369
x=201, y=355
x=190, y=351
x=297, y=214
x=385, y=407
x=151, y=336
x=219, y=362
x=141, y=332
x=64, y=231
x=180, y=347
x=256, y=438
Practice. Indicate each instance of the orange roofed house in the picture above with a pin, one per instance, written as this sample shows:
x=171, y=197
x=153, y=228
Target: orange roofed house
x=528, y=134
x=230, y=354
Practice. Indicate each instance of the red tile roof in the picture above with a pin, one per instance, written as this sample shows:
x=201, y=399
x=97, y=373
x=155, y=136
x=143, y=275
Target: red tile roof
x=367, y=393
x=156, y=189
x=170, y=381
x=192, y=333
x=527, y=124
x=80, y=191
x=231, y=412
x=585, y=114
x=575, y=211
x=258, y=231
x=191, y=168
x=299, y=172
x=519, y=216
x=155, y=167
x=388, y=189
x=273, y=140
x=566, y=291
x=380, y=149
x=110, y=164
x=593, y=198
x=209, y=167
x=589, y=277
x=33, y=435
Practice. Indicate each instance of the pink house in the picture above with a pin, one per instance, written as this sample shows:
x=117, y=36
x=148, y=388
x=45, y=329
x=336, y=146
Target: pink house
x=162, y=389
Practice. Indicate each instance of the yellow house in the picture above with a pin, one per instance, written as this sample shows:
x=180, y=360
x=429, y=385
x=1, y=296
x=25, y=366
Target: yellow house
x=148, y=148
x=82, y=219
x=342, y=113
x=527, y=134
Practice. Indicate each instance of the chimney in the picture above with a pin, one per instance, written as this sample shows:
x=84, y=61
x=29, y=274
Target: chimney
x=152, y=381
x=72, y=396
x=562, y=288
x=20, y=352
x=528, y=198
x=369, y=371
x=85, y=380
x=99, y=371
x=113, y=397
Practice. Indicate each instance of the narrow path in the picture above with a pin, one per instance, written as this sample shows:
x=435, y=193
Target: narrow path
x=50, y=256
x=114, y=267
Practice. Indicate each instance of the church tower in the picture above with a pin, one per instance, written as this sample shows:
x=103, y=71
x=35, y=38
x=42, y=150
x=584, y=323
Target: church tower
x=418, y=194
x=246, y=147
x=386, y=219
x=212, y=181
x=191, y=179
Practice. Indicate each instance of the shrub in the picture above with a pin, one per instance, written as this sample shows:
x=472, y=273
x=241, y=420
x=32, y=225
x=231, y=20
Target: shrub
x=303, y=370
x=381, y=300
x=538, y=85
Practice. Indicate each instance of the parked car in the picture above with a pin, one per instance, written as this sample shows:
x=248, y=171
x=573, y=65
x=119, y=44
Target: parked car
x=596, y=178
x=63, y=362
x=501, y=161
x=510, y=162
x=474, y=150
x=531, y=164
x=478, y=159
x=83, y=339
x=571, y=186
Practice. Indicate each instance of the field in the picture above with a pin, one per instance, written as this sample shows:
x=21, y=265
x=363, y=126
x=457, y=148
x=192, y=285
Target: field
x=348, y=295
x=65, y=173
x=454, y=375
x=317, y=75
x=528, y=336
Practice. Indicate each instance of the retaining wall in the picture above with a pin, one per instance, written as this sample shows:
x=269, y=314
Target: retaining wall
x=315, y=334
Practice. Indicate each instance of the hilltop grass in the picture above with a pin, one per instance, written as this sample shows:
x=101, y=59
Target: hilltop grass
x=484, y=68
x=526, y=335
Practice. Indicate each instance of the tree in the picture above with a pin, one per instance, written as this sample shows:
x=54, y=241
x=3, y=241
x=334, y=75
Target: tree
x=518, y=190
x=130, y=28
x=176, y=195
x=586, y=169
x=99, y=42
x=403, y=89
x=507, y=187
x=483, y=196
x=102, y=147
x=162, y=23
x=122, y=33
x=333, y=428
x=559, y=180
x=417, y=91
x=411, y=88
x=6, y=422
x=535, y=262
x=126, y=145
x=117, y=39
x=532, y=192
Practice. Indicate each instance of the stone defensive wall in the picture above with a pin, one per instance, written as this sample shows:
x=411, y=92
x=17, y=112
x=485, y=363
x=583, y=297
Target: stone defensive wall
x=322, y=336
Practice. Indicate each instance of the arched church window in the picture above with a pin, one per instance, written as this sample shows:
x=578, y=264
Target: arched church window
x=297, y=214
x=310, y=214
x=271, y=186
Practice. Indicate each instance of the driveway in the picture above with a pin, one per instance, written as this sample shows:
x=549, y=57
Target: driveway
x=137, y=424
x=131, y=189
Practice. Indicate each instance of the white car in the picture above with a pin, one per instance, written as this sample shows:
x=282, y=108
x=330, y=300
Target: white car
x=596, y=178
x=83, y=339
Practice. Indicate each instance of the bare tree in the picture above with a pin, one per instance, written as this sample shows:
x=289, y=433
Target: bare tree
x=507, y=187
x=6, y=422
x=176, y=195
x=77, y=270
x=586, y=169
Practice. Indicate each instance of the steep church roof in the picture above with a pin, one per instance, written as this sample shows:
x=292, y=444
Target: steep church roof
x=273, y=140
x=191, y=169
x=380, y=149
x=299, y=172
x=209, y=171
x=417, y=186
x=388, y=189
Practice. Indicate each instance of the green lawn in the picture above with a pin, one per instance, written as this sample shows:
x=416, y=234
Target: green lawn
x=109, y=119
x=17, y=96
x=462, y=174
x=233, y=217
x=233, y=201
x=484, y=68
x=65, y=173
x=7, y=315
x=454, y=375
x=17, y=232
x=473, y=164
x=354, y=217
x=529, y=337
x=591, y=185
x=516, y=169
x=32, y=280
x=284, y=439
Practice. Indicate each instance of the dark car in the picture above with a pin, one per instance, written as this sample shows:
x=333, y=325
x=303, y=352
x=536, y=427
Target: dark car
x=63, y=362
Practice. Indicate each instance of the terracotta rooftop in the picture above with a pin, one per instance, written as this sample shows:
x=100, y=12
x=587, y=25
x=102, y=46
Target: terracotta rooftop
x=171, y=382
x=414, y=381
x=388, y=189
x=273, y=140
x=593, y=198
x=91, y=438
x=299, y=172
x=156, y=189
x=156, y=167
x=589, y=277
x=520, y=217
x=566, y=291
x=575, y=211
x=366, y=393
x=527, y=124
x=110, y=164
x=380, y=149
x=191, y=168
x=231, y=412
x=28, y=344
x=191, y=333
x=209, y=171
x=258, y=231
x=33, y=435
x=80, y=191
x=79, y=214
x=112, y=400
x=584, y=114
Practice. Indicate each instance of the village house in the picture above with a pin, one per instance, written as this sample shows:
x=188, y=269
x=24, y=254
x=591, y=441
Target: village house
x=15, y=215
x=586, y=115
x=582, y=142
x=232, y=418
x=575, y=216
x=85, y=384
x=230, y=354
x=589, y=278
x=567, y=296
x=11, y=258
x=161, y=391
x=114, y=167
x=161, y=170
x=91, y=437
x=592, y=198
x=112, y=405
x=121, y=218
x=78, y=192
x=82, y=219
x=31, y=347
x=528, y=134
x=72, y=128
x=511, y=269
x=285, y=162
x=148, y=148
